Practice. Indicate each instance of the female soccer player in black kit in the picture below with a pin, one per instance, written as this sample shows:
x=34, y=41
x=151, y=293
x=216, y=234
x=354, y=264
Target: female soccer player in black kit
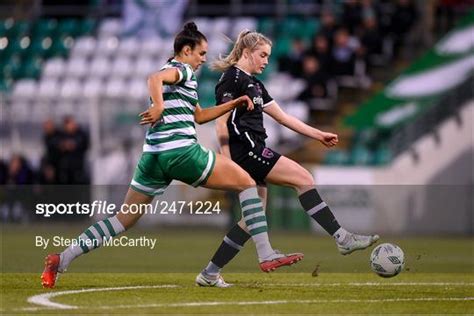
x=242, y=137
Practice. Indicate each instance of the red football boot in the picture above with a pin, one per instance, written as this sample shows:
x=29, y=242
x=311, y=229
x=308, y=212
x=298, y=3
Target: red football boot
x=278, y=260
x=50, y=272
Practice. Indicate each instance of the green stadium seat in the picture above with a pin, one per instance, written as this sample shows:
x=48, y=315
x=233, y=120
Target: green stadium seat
x=87, y=26
x=284, y=27
x=10, y=60
x=60, y=47
x=41, y=46
x=310, y=29
x=44, y=27
x=4, y=27
x=68, y=27
x=29, y=44
x=266, y=26
x=336, y=157
x=382, y=156
x=206, y=93
x=18, y=45
x=18, y=29
x=5, y=84
x=31, y=68
x=361, y=156
x=13, y=69
x=281, y=46
x=296, y=26
x=208, y=74
x=364, y=137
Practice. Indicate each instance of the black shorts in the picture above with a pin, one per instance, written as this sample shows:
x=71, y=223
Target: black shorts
x=254, y=157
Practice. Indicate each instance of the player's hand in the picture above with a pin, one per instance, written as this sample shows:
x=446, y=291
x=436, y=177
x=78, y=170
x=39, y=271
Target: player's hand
x=328, y=139
x=245, y=101
x=151, y=116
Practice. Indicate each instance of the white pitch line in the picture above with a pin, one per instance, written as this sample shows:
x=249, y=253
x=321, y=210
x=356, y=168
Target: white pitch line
x=373, y=284
x=413, y=283
x=293, y=302
x=198, y=304
x=44, y=299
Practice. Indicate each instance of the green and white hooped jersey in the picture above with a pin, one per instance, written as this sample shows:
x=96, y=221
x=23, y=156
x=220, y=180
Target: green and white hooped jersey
x=176, y=129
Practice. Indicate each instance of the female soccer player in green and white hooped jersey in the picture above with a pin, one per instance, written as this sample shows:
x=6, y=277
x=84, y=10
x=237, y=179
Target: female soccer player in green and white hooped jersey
x=171, y=151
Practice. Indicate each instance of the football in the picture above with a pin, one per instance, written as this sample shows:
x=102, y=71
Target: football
x=387, y=260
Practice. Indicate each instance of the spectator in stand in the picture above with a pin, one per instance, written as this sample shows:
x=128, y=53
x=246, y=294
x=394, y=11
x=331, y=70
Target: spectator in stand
x=316, y=80
x=352, y=15
x=292, y=63
x=19, y=171
x=369, y=10
x=447, y=11
x=51, y=138
x=344, y=53
x=46, y=173
x=3, y=172
x=403, y=19
x=73, y=145
x=18, y=190
x=371, y=39
x=47, y=191
x=328, y=26
x=320, y=50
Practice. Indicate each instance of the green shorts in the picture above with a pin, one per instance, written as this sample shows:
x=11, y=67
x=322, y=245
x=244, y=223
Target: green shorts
x=192, y=165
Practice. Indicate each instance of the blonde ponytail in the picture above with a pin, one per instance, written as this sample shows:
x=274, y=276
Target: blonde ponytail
x=246, y=39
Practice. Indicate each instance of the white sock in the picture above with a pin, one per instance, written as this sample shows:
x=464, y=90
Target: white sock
x=212, y=270
x=256, y=222
x=90, y=239
x=264, y=248
x=340, y=235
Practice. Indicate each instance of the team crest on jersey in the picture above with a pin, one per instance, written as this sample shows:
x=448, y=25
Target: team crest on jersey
x=267, y=153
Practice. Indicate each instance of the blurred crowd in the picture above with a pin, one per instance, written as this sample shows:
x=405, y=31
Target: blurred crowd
x=65, y=149
x=349, y=45
x=63, y=163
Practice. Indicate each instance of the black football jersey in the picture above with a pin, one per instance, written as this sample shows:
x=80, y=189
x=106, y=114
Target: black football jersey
x=234, y=83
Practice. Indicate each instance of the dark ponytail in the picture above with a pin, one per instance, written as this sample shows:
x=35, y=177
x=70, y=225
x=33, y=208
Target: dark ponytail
x=190, y=36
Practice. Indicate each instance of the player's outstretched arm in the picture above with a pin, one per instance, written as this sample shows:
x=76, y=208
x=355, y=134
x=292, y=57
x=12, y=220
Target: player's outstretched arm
x=202, y=116
x=276, y=112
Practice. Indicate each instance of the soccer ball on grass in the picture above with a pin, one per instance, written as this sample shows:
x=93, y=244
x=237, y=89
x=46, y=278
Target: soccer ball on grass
x=387, y=260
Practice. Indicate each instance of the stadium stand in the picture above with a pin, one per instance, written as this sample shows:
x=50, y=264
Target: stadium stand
x=413, y=104
x=52, y=67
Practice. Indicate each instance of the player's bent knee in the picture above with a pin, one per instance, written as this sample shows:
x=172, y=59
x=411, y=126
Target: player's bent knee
x=249, y=182
x=305, y=180
x=244, y=181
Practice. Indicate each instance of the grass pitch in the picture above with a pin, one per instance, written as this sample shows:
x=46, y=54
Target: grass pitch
x=439, y=277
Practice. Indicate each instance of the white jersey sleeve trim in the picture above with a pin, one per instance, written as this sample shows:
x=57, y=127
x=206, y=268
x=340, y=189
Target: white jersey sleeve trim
x=233, y=123
x=267, y=104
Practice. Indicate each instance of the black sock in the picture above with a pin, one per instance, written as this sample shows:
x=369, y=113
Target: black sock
x=230, y=246
x=317, y=209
